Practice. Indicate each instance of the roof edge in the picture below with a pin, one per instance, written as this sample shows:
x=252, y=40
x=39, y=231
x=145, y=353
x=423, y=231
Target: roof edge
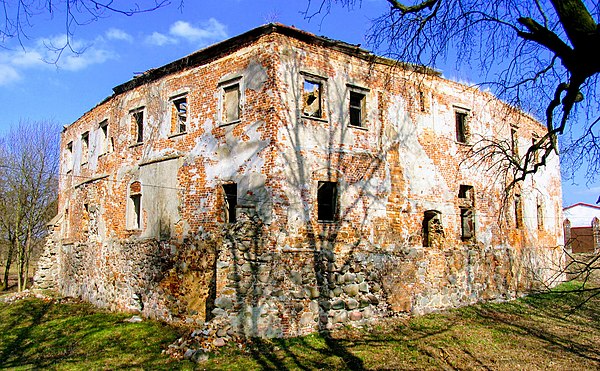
x=581, y=204
x=214, y=51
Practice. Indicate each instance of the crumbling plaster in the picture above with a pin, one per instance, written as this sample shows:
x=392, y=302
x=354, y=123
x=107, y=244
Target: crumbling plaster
x=278, y=270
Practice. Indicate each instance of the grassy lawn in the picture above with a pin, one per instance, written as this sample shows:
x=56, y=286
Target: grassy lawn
x=534, y=333
x=41, y=334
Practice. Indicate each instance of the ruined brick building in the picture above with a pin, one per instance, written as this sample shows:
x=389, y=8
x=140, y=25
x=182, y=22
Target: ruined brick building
x=280, y=183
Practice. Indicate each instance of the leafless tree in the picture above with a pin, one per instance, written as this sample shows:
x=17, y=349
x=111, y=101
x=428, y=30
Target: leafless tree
x=19, y=16
x=28, y=192
x=537, y=56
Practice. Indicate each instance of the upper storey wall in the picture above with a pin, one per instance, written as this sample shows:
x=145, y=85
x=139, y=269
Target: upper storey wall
x=192, y=139
x=404, y=156
x=387, y=135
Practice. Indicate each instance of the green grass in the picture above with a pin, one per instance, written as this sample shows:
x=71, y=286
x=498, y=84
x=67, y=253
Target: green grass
x=533, y=333
x=38, y=334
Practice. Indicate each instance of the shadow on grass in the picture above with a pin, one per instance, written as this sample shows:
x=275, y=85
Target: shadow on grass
x=528, y=333
x=304, y=353
x=23, y=321
x=39, y=334
x=536, y=332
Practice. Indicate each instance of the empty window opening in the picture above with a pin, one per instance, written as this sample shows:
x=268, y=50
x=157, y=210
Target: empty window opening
x=230, y=190
x=467, y=223
x=536, y=152
x=179, y=116
x=66, y=224
x=357, y=109
x=461, y=125
x=514, y=141
x=518, y=212
x=137, y=211
x=85, y=220
x=326, y=201
x=231, y=103
x=422, y=100
x=137, y=119
x=433, y=230
x=312, y=99
x=85, y=145
x=135, y=205
x=466, y=198
x=103, y=137
x=540, y=215
x=69, y=157
x=465, y=192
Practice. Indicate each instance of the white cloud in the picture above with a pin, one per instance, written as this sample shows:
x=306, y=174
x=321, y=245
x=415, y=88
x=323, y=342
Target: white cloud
x=76, y=62
x=116, y=34
x=72, y=55
x=51, y=53
x=159, y=39
x=8, y=74
x=25, y=59
x=208, y=32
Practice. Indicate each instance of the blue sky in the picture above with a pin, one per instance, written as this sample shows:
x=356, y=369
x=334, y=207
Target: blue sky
x=112, y=49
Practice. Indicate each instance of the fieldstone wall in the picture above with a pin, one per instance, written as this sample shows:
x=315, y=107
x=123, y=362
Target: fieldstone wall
x=46, y=275
x=154, y=278
x=244, y=285
x=298, y=291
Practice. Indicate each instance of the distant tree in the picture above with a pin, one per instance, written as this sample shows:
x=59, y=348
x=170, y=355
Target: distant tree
x=536, y=55
x=28, y=193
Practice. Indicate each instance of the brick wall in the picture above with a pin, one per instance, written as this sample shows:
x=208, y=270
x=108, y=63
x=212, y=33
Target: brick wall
x=278, y=270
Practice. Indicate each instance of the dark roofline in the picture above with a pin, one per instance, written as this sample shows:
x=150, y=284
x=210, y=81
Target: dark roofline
x=228, y=46
x=582, y=204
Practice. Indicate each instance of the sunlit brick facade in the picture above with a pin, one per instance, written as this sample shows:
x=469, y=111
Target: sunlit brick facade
x=280, y=183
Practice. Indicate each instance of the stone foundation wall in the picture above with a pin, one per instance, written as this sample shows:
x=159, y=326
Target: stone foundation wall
x=298, y=291
x=247, y=286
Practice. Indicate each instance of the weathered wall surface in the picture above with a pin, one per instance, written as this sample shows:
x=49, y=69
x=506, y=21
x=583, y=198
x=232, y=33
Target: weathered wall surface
x=278, y=270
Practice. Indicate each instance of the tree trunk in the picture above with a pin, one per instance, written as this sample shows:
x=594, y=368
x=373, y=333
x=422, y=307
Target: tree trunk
x=26, y=258
x=19, y=265
x=7, y=265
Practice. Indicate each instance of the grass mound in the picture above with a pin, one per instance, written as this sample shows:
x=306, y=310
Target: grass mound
x=537, y=332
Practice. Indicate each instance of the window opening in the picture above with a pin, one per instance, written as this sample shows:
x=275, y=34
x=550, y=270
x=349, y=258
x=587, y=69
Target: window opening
x=138, y=125
x=103, y=137
x=357, y=108
x=137, y=211
x=135, y=196
x=466, y=196
x=536, y=153
x=231, y=103
x=433, y=230
x=230, y=190
x=518, y=212
x=85, y=143
x=326, y=201
x=465, y=192
x=69, y=156
x=66, y=224
x=422, y=100
x=312, y=98
x=180, y=108
x=467, y=223
x=514, y=141
x=461, y=126
x=86, y=218
x=540, y=215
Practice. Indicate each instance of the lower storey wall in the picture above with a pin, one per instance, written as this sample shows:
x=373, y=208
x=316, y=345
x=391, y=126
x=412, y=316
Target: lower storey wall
x=245, y=285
